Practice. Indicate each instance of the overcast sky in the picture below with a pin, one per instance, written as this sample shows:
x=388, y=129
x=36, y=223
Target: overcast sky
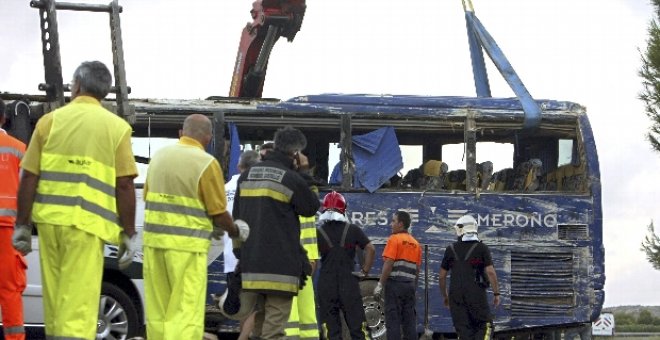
x=585, y=51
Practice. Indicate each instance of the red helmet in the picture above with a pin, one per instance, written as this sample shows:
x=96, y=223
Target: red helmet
x=334, y=201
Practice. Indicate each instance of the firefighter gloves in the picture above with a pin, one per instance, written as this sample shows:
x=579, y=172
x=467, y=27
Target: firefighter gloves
x=22, y=238
x=378, y=290
x=243, y=230
x=127, y=248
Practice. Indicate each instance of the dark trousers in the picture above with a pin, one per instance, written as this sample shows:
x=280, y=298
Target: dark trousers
x=340, y=292
x=471, y=315
x=400, y=316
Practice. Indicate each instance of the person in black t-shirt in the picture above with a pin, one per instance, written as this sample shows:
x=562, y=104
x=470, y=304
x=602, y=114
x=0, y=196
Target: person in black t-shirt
x=338, y=288
x=470, y=263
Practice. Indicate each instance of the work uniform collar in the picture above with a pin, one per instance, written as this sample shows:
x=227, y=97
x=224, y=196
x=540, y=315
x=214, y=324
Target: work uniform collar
x=279, y=157
x=332, y=216
x=469, y=237
x=82, y=99
x=190, y=142
x=404, y=231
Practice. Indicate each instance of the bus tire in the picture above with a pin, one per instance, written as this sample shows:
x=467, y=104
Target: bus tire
x=118, y=316
x=374, y=309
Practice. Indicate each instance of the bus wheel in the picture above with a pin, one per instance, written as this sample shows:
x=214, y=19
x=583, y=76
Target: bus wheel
x=374, y=309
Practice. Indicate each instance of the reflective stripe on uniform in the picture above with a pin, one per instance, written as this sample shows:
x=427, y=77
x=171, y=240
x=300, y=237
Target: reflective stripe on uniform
x=8, y=150
x=176, y=209
x=8, y=212
x=309, y=331
x=14, y=330
x=307, y=241
x=176, y=222
x=76, y=188
x=404, y=269
x=180, y=231
x=77, y=178
x=274, y=190
x=262, y=281
x=90, y=207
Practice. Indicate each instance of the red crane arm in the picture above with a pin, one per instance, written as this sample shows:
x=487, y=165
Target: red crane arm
x=272, y=19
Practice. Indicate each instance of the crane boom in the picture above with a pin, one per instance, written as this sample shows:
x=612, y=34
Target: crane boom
x=272, y=19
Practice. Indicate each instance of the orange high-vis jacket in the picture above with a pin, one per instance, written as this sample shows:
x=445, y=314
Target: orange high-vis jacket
x=406, y=253
x=11, y=153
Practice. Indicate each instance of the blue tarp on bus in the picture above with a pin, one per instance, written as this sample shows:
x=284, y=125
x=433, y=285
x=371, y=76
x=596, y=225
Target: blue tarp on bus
x=377, y=158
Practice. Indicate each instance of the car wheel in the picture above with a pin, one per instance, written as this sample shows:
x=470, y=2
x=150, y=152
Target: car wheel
x=118, y=317
x=374, y=309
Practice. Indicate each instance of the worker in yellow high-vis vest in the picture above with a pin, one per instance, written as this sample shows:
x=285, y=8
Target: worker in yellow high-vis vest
x=77, y=183
x=302, y=322
x=185, y=207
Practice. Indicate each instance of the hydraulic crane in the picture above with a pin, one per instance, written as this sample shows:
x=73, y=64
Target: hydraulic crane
x=272, y=19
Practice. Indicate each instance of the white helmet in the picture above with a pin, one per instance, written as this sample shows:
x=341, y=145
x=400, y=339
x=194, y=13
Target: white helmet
x=465, y=224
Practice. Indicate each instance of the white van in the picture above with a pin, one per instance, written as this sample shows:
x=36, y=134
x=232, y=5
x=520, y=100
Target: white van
x=604, y=325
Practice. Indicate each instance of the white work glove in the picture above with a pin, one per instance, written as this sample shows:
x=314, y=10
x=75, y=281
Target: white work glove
x=127, y=249
x=243, y=230
x=378, y=290
x=22, y=238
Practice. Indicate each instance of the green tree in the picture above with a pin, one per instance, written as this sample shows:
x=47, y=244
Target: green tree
x=646, y=318
x=650, y=73
x=624, y=319
x=651, y=246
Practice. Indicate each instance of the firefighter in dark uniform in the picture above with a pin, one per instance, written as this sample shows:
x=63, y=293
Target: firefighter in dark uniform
x=402, y=258
x=270, y=197
x=338, y=288
x=472, y=271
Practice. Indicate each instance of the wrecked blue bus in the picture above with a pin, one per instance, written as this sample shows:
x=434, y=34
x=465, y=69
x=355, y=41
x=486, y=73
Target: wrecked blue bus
x=536, y=194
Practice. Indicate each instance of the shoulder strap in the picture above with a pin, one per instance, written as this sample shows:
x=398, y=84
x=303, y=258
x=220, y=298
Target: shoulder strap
x=343, y=235
x=467, y=255
x=325, y=236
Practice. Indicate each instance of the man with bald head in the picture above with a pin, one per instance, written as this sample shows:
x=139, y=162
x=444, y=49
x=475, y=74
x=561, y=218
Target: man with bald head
x=185, y=206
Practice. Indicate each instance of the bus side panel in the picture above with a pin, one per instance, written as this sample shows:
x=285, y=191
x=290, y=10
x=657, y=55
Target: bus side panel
x=544, y=273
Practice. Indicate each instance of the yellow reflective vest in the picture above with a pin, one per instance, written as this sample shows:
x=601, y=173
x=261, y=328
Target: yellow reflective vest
x=308, y=236
x=175, y=216
x=77, y=170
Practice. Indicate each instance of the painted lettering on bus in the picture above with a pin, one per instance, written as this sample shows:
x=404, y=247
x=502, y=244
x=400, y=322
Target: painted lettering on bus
x=361, y=218
x=381, y=217
x=517, y=220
